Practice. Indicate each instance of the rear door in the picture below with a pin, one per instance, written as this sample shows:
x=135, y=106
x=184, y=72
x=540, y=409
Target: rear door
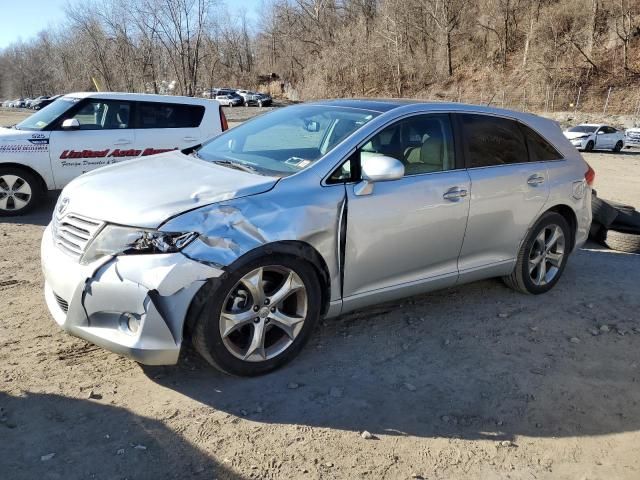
x=167, y=126
x=105, y=136
x=507, y=190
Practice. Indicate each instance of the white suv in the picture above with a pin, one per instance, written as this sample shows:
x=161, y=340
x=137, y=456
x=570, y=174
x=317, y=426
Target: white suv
x=83, y=131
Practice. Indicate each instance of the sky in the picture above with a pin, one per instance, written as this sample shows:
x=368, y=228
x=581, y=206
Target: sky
x=23, y=19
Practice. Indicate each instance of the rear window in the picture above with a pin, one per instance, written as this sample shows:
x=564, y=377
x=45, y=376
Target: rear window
x=539, y=149
x=493, y=141
x=169, y=115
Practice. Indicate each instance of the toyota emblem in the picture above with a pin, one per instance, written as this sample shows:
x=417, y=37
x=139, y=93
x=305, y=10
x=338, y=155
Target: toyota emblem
x=62, y=207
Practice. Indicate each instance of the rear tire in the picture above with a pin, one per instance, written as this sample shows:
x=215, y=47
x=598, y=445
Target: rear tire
x=20, y=191
x=541, y=259
x=237, y=313
x=623, y=242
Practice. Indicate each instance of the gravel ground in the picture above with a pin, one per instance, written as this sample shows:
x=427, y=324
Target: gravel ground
x=472, y=382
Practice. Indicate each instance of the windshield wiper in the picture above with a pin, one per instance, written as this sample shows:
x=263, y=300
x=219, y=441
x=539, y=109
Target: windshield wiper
x=237, y=166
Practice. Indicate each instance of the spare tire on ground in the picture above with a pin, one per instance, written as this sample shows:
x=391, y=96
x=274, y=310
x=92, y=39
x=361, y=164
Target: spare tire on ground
x=604, y=213
x=628, y=242
x=627, y=218
x=615, y=225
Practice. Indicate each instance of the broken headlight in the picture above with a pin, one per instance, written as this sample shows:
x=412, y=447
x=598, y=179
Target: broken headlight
x=117, y=240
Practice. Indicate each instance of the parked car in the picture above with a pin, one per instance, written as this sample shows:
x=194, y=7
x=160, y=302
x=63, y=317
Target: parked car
x=305, y=212
x=36, y=100
x=589, y=137
x=27, y=102
x=39, y=104
x=264, y=100
x=6, y=103
x=248, y=97
x=18, y=103
x=632, y=137
x=228, y=100
x=83, y=131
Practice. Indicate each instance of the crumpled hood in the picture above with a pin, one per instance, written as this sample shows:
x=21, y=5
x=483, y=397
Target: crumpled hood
x=572, y=135
x=147, y=191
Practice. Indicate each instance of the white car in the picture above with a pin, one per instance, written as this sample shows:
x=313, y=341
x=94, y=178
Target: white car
x=249, y=97
x=589, y=137
x=83, y=131
x=632, y=137
x=228, y=100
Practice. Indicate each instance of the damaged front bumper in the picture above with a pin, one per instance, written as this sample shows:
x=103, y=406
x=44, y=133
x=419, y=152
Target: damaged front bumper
x=134, y=305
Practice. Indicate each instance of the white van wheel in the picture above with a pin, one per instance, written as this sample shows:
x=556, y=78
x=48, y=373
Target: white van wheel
x=19, y=191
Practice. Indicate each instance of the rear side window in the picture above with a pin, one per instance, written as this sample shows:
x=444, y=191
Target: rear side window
x=493, y=141
x=169, y=115
x=539, y=149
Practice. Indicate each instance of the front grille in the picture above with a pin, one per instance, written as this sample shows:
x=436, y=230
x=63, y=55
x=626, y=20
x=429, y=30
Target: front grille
x=72, y=233
x=634, y=136
x=62, y=303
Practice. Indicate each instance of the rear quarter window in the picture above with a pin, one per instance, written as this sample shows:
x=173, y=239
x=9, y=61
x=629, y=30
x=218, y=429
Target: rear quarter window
x=169, y=115
x=539, y=149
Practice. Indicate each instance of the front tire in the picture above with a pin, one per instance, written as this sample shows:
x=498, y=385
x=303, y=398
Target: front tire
x=20, y=191
x=618, y=146
x=589, y=146
x=259, y=316
x=542, y=256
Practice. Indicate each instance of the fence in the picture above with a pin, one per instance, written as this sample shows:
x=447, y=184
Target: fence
x=611, y=101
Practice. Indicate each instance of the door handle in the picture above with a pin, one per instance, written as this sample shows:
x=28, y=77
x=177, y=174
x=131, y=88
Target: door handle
x=454, y=194
x=535, y=180
x=189, y=139
x=122, y=141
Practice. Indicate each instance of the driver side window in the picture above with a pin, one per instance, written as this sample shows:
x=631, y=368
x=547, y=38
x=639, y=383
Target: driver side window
x=423, y=143
x=103, y=115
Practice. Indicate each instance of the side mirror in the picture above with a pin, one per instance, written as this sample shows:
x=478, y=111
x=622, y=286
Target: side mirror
x=378, y=169
x=600, y=132
x=71, y=124
x=312, y=126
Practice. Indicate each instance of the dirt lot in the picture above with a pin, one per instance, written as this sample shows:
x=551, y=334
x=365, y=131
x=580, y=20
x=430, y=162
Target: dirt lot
x=468, y=383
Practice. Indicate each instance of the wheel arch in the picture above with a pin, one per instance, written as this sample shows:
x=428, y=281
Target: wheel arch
x=295, y=248
x=569, y=215
x=21, y=166
x=302, y=251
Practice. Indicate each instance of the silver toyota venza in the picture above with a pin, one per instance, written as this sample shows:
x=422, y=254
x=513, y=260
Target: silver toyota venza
x=310, y=211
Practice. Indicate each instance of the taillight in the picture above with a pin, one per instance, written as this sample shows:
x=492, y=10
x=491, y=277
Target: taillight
x=223, y=121
x=590, y=175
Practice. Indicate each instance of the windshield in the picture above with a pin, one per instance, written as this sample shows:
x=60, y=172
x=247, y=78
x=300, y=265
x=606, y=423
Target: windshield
x=48, y=114
x=583, y=129
x=286, y=140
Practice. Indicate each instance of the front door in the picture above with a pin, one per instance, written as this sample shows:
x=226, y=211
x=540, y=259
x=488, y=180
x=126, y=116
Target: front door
x=408, y=232
x=104, y=137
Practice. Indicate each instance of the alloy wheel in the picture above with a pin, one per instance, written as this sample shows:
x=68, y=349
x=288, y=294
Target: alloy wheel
x=15, y=193
x=263, y=314
x=546, y=255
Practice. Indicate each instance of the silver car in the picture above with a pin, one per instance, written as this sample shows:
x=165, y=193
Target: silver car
x=310, y=211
